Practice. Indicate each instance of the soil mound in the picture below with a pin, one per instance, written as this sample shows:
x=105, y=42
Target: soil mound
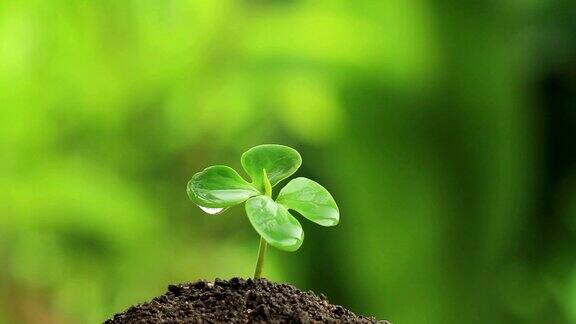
x=238, y=301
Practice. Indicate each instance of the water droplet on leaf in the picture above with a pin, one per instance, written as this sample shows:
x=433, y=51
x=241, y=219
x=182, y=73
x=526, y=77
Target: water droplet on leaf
x=211, y=210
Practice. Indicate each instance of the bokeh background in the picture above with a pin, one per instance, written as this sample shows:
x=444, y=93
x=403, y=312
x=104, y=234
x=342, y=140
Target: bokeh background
x=444, y=129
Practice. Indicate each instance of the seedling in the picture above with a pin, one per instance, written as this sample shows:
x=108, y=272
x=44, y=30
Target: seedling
x=219, y=187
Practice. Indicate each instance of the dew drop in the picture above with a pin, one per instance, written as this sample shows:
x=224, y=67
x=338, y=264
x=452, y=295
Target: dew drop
x=211, y=210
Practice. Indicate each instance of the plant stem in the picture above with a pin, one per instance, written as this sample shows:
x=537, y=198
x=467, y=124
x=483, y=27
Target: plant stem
x=260, y=262
x=263, y=244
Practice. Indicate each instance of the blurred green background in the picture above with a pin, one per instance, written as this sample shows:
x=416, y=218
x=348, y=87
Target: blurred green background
x=444, y=129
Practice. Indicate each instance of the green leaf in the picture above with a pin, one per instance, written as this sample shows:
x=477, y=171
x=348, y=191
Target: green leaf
x=274, y=223
x=311, y=200
x=279, y=161
x=267, y=184
x=219, y=186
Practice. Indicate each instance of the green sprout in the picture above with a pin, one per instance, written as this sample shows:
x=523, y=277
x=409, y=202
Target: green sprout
x=219, y=187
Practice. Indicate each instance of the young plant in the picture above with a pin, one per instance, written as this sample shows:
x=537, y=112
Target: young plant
x=219, y=187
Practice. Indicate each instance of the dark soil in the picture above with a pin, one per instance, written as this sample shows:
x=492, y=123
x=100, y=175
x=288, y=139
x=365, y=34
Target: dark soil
x=238, y=301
